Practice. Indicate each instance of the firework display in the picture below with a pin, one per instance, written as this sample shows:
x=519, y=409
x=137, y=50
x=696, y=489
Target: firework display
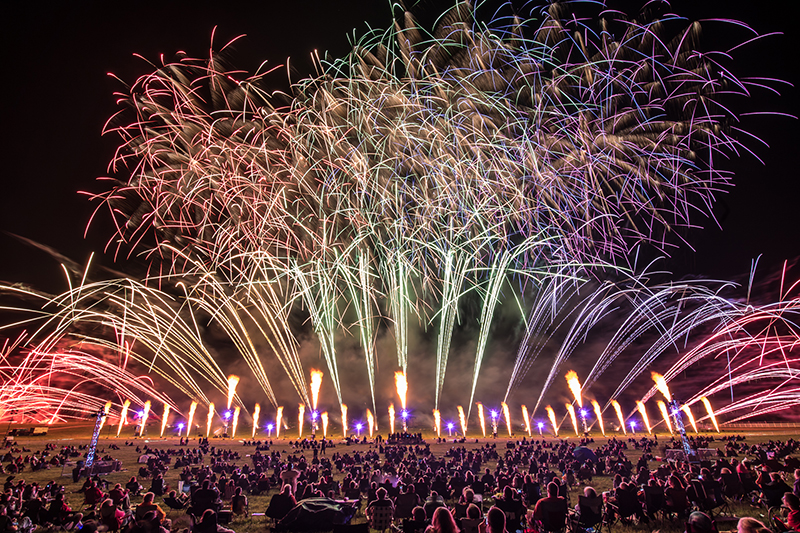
x=435, y=181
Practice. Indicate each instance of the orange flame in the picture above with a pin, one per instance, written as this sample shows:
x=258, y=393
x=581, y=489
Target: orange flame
x=164, y=418
x=301, y=417
x=324, y=417
x=552, y=416
x=190, y=419
x=210, y=419
x=527, y=420
x=316, y=383
x=574, y=386
x=232, y=382
x=278, y=420
x=123, y=415
x=571, y=411
x=481, y=418
x=690, y=416
x=401, y=384
x=235, y=422
x=661, y=385
x=437, y=422
x=507, y=416
x=618, y=409
x=256, y=412
x=391, y=418
x=643, y=414
x=599, y=414
x=463, y=420
x=710, y=412
x=665, y=414
x=344, y=421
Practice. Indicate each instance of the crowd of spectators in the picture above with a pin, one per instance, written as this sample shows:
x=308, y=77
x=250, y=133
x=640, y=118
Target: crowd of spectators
x=535, y=484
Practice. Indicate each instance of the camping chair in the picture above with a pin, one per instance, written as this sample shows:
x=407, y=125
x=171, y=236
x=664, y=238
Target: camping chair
x=553, y=521
x=655, y=501
x=380, y=517
x=732, y=487
x=470, y=525
x=591, y=514
x=627, y=506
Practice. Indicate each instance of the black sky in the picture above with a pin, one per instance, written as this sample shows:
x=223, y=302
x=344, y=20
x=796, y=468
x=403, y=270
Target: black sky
x=57, y=96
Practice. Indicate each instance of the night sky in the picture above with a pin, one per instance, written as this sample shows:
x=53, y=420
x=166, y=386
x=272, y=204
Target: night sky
x=57, y=96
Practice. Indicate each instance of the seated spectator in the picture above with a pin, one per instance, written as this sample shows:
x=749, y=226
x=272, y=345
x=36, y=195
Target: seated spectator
x=496, y=519
x=208, y=524
x=133, y=486
x=111, y=516
x=751, y=525
x=281, y=503
x=158, y=485
x=792, y=523
x=93, y=495
x=675, y=497
x=239, y=502
x=700, y=522
x=418, y=522
x=204, y=498
x=60, y=514
x=120, y=496
x=176, y=501
x=433, y=502
x=148, y=504
x=405, y=502
x=442, y=522
x=550, y=513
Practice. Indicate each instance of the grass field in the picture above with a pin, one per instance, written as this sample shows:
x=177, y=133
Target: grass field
x=80, y=434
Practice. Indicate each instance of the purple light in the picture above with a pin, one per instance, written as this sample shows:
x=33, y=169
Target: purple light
x=226, y=415
x=180, y=426
x=404, y=414
x=494, y=413
x=314, y=415
x=269, y=427
x=140, y=413
x=633, y=423
x=540, y=424
x=584, y=412
x=450, y=425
